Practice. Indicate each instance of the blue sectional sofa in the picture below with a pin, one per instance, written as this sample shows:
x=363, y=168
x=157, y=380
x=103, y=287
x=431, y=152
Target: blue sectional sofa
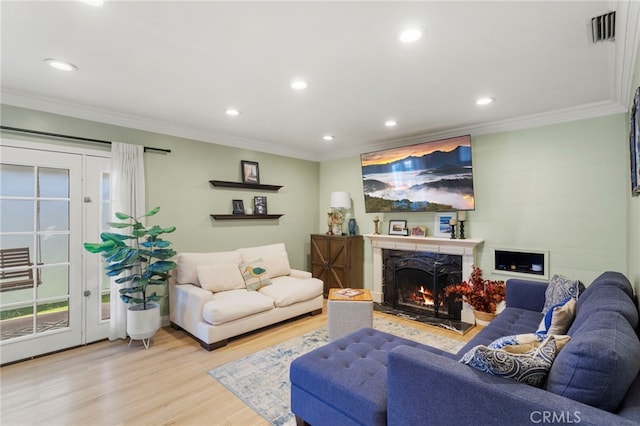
x=374, y=378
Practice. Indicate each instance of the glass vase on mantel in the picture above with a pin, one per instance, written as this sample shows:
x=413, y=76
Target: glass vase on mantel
x=483, y=318
x=352, y=227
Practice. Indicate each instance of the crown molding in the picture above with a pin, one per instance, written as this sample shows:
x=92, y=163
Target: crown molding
x=582, y=112
x=56, y=106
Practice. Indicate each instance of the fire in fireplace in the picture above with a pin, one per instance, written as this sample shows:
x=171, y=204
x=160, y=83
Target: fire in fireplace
x=414, y=282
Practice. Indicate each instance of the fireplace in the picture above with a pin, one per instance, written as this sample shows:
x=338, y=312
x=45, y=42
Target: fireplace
x=414, y=282
x=465, y=248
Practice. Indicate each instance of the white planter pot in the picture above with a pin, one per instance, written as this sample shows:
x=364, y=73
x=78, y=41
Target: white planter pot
x=142, y=324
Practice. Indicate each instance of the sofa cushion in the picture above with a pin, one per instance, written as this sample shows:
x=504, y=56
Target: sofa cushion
x=250, y=253
x=606, y=295
x=220, y=277
x=560, y=289
x=188, y=262
x=256, y=274
x=558, y=318
x=277, y=264
x=349, y=374
x=286, y=291
x=599, y=363
x=234, y=304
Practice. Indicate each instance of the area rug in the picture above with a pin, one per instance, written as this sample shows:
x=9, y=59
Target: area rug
x=261, y=380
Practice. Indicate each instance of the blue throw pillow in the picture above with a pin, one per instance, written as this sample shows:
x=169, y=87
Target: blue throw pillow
x=559, y=289
x=530, y=367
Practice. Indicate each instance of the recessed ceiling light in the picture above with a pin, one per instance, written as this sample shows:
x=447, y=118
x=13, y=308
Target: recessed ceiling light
x=484, y=101
x=93, y=2
x=299, y=84
x=411, y=35
x=391, y=123
x=328, y=138
x=232, y=112
x=60, y=65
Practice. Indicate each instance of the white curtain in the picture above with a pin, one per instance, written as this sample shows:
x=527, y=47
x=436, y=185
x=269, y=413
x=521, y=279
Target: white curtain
x=127, y=196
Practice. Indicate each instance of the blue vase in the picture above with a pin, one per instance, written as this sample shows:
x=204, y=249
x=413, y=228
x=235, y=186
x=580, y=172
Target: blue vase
x=352, y=227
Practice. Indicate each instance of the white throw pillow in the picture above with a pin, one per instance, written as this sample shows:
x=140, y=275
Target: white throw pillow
x=277, y=264
x=249, y=254
x=188, y=262
x=558, y=318
x=217, y=278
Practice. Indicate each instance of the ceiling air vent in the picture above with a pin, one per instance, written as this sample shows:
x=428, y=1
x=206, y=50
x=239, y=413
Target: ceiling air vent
x=603, y=27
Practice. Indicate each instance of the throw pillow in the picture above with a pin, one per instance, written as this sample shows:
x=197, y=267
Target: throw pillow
x=521, y=343
x=278, y=264
x=531, y=367
x=559, y=289
x=256, y=274
x=558, y=318
x=217, y=278
x=188, y=263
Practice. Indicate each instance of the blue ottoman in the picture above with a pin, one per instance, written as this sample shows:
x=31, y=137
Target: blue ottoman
x=345, y=381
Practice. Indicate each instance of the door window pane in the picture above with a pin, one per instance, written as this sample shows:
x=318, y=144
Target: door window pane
x=52, y=316
x=53, y=183
x=16, y=322
x=16, y=181
x=54, y=215
x=16, y=241
x=55, y=282
x=54, y=248
x=16, y=215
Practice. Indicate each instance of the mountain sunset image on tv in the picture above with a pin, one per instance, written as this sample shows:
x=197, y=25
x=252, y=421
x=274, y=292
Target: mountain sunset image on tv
x=426, y=177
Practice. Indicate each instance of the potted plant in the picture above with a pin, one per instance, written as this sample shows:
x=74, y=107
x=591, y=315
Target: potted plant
x=140, y=258
x=483, y=295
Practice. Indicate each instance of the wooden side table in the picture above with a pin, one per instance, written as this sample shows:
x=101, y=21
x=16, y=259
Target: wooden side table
x=348, y=314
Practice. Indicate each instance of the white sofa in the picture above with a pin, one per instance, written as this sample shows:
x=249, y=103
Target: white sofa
x=220, y=295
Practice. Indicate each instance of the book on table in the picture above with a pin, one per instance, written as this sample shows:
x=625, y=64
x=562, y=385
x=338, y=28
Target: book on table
x=349, y=292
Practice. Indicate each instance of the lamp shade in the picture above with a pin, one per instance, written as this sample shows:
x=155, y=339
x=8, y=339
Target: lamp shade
x=340, y=200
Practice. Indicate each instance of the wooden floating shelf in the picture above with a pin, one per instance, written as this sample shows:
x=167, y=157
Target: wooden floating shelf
x=226, y=184
x=245, y=216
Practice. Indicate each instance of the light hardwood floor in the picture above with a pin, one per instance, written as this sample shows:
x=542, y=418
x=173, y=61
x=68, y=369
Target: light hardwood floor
x=109, y=383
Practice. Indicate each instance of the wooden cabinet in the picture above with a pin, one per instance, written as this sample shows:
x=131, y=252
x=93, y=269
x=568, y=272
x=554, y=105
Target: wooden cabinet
x=337, y=260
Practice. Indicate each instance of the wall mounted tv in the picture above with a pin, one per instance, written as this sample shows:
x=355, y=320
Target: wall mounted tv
x=426, y=177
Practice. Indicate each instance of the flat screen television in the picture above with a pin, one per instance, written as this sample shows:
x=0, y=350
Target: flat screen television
x=426, y=177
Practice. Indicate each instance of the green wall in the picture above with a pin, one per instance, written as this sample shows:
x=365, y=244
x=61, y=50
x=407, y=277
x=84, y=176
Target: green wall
x=561, y=188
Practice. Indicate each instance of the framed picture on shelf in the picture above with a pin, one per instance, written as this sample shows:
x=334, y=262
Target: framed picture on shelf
x=260, y=205
x=250, y=171
x=238, y=206
x=419, y=231
x=398, y=227
x=634, y=144
x=442, y=228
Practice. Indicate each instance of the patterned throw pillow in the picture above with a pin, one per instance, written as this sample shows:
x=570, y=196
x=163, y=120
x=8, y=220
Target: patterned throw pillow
x=558, y=318
x=560, y=289
x=530, y=367
x=255, y=274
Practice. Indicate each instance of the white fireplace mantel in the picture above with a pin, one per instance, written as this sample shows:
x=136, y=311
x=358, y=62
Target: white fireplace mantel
x=465, y=248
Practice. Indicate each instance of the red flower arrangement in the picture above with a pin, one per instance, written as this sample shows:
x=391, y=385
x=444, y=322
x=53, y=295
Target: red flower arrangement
x=482, y=295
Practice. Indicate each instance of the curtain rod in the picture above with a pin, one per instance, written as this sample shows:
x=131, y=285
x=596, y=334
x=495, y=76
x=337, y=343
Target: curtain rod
x=75, y=138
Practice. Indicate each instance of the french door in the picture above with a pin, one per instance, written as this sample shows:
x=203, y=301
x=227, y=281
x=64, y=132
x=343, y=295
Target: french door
x=52, y=297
